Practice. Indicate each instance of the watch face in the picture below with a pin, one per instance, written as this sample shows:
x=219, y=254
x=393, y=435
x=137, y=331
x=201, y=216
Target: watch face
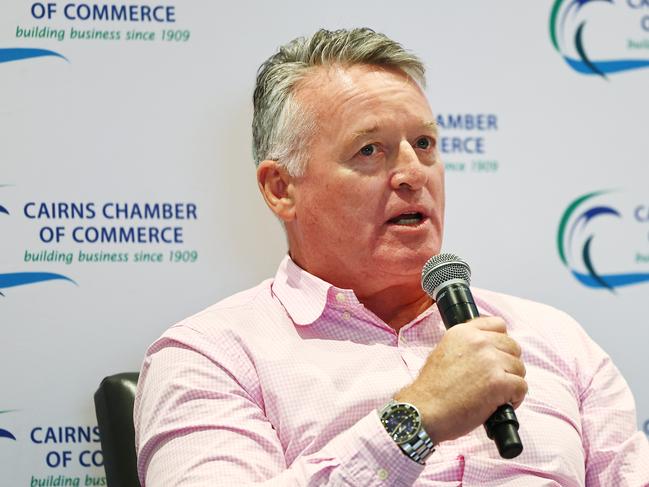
x=402, y=422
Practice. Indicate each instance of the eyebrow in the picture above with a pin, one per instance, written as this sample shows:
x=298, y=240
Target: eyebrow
x=426, y=124
x=371, y=130
x=432, y=126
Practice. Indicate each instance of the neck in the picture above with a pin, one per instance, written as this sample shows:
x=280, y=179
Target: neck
x=397, y=300
x=397, y=306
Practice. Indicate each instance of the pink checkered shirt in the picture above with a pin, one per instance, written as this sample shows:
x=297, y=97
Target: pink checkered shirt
x=280, y=385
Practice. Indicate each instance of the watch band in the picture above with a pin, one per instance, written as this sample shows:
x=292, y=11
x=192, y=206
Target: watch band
x=421, y=449
x=420, y=446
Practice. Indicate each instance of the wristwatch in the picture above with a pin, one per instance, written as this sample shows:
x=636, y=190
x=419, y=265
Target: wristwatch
x=403, y=423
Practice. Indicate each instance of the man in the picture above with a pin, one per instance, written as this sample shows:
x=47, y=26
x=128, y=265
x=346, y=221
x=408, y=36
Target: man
x=339, y=370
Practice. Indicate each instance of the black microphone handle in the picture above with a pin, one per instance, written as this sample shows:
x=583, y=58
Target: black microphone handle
x=456, y=305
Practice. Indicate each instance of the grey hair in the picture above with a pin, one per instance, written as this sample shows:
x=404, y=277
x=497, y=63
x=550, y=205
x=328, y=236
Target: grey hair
x=281, y=127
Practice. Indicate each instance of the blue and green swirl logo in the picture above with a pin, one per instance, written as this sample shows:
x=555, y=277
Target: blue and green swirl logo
x=6, y=433
x=575, y=242
x=21, y=53
x=568, y=21
x=12, y=279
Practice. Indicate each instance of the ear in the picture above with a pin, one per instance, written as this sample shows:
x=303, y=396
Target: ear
x=277, y=188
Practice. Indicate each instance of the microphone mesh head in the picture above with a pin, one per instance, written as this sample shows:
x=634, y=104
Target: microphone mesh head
x=442, y=268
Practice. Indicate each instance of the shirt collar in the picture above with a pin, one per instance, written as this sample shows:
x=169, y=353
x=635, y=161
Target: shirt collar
x=303, y=295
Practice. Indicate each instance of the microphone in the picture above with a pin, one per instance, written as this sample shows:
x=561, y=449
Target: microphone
x=446, y=278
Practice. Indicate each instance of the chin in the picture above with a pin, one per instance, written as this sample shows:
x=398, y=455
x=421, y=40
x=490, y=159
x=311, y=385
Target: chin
x=406, y=262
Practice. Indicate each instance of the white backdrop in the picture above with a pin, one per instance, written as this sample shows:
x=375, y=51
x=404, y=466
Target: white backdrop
x=99, y=121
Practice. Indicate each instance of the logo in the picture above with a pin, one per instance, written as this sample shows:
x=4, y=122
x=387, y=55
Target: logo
x=13, y=279
x=589, y=221
x=88, y=233
x=93, y=22
x=572, y=22
x=64, y=448
x=20, y=53
x=6, y=433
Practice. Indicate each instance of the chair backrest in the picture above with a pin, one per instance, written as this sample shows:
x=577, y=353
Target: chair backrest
x=114, y=407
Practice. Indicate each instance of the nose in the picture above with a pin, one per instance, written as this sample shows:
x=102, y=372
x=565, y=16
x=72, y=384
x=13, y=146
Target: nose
x=408, y=172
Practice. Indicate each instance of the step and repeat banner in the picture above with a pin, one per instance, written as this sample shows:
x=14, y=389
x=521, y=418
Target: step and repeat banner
x=128, y=197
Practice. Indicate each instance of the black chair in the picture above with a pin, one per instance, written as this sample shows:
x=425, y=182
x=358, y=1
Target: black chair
x=114, y=407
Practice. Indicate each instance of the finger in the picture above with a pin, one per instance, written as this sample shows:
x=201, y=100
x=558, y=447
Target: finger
x=489, y=323
x=514, y=366
x=520, y=389
x=505, y=343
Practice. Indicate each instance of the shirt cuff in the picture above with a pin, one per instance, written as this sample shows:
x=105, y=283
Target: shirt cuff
x=370, y=457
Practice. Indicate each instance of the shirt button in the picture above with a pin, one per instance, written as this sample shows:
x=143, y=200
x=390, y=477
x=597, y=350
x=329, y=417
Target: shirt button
x=346, y=316
x=340, y=297
x=382, y=473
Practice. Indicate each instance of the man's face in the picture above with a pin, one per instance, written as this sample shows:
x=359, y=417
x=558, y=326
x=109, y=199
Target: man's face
x=369, y=208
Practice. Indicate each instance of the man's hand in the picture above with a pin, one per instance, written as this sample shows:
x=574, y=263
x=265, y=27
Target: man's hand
x=474, y=369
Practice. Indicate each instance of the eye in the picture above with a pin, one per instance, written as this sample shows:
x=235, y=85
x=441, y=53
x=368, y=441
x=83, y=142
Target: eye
x=424, y=143
x=368, y=150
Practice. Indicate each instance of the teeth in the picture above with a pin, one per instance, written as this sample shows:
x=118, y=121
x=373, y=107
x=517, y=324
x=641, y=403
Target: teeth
x=407, y=219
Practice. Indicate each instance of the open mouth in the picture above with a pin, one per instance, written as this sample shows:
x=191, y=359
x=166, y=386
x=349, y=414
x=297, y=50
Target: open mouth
x=414, y=218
